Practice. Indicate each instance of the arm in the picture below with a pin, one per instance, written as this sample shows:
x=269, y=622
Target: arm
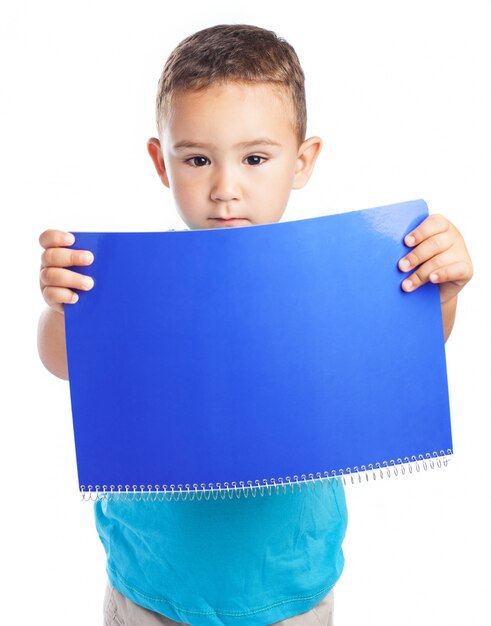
x=439, y=255
x=449, y=309
x=57, y=284
x=51, y=342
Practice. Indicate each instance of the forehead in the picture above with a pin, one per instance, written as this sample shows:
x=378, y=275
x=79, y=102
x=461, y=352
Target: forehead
x=260, y=109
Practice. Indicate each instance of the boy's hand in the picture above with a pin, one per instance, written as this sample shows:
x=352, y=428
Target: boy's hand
x=439, y=255
x=55, y=280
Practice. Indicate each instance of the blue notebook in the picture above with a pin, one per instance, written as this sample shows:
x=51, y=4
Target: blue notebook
x=258, y=355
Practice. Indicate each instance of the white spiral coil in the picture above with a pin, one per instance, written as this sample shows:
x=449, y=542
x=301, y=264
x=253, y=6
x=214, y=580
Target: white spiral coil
x=349, y=475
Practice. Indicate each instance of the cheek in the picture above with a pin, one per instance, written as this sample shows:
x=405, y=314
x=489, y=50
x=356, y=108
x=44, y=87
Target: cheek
x=186, y=196
x=276, y=184
x=184, y=184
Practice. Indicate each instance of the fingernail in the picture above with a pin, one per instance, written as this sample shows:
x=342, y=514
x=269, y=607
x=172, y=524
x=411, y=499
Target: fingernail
x=433, y=278
x=410, y=240
x=407, y=284
x=69, y=239
x=87, y=282
x=75, y=297
x=404, y=264
x=87, y=257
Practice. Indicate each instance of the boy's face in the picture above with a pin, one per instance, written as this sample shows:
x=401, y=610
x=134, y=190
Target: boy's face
x=230, y=155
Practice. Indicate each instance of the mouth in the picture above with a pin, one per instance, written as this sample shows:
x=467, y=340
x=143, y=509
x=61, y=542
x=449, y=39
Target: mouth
x=230, y=220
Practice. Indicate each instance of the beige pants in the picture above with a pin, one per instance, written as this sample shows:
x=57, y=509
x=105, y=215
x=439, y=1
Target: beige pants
x=119, y=611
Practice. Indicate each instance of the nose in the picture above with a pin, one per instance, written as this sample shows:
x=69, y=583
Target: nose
x=225, y=185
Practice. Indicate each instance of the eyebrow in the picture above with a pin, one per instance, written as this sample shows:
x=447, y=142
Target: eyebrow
x=183, y=145
x=258, y=142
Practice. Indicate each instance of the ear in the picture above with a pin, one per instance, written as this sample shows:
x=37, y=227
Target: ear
x=155, y=152
x=306, y=157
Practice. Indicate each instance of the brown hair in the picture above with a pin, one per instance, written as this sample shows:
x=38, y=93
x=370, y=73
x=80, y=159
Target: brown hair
x=237, y=53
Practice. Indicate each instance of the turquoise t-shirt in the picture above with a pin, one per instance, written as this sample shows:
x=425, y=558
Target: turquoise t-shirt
x=227, y=562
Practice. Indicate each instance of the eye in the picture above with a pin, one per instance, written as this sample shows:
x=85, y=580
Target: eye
x=254, y=159
x=198, y=161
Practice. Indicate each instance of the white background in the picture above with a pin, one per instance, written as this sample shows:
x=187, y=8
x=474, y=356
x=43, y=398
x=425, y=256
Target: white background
x=400, y=93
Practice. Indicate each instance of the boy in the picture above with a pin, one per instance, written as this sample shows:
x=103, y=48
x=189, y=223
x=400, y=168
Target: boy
x=232, y=121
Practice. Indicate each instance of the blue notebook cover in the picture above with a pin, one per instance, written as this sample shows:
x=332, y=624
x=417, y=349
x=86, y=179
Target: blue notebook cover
x=255, y=355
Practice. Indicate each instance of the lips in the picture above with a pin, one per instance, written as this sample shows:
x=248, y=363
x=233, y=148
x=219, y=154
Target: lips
x=227, y=219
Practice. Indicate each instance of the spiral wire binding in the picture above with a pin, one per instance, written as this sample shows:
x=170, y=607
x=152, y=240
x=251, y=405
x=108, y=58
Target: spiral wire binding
x=350, y=475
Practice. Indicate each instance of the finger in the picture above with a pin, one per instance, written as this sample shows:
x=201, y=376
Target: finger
x=65, y=257
x=422, y=273
x=431, y=247
x=56, y=238
x=432, y=225
x=454, y=272
x=57, y=296
x=58, y=277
